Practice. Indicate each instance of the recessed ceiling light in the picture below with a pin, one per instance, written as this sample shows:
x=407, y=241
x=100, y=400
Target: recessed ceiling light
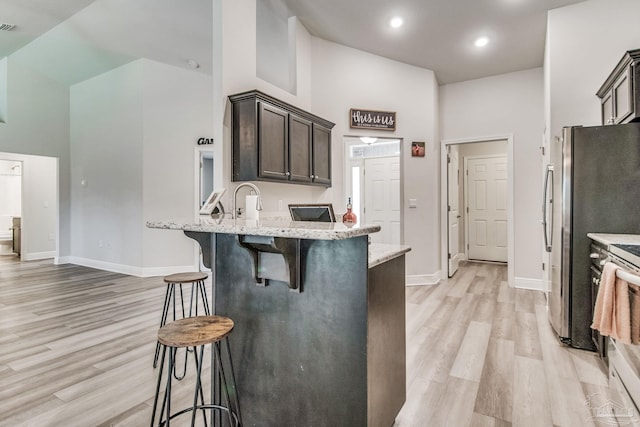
x=193, y=63
x=396, y=22
x=482, y=41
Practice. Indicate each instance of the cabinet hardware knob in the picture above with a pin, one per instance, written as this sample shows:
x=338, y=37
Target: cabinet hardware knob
x=288, y=173
x=312, y=176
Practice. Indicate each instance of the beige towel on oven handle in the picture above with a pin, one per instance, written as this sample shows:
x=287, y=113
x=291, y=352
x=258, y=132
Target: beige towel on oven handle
x=612, y=313
x=604, y=309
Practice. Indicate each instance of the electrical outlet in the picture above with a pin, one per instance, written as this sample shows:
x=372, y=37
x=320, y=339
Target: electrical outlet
x=52, y=236
x=100, y=243
x=413, y=203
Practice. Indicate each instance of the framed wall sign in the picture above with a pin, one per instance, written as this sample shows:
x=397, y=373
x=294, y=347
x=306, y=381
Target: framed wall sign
x=371, y=119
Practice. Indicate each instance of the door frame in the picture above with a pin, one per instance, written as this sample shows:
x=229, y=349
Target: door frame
x=27, y=216
x=197, y=157
x=444, y=241
x=459, y=256
x=351, y=140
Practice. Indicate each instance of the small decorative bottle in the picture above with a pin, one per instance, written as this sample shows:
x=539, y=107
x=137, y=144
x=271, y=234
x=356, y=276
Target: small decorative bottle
x=349, y=217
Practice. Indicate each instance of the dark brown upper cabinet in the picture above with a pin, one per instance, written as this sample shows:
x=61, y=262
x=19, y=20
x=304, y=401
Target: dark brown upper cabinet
x=275, y=141
x=321, y=154
x=620, y=93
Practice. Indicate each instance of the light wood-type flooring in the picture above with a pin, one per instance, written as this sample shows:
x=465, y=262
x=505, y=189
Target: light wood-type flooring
x=76, y=349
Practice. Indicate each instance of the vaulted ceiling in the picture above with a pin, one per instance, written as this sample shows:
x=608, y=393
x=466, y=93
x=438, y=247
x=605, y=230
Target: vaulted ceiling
x=75, y=39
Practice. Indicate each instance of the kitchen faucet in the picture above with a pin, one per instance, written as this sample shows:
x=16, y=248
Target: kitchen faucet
x=235, y=194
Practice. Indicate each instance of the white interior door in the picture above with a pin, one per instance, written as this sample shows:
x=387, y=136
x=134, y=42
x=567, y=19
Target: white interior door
x=487, y=208
x=453, y=186
x=382, y=198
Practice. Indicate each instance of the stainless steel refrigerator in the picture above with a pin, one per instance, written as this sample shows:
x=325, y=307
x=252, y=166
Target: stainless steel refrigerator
x=591, y=185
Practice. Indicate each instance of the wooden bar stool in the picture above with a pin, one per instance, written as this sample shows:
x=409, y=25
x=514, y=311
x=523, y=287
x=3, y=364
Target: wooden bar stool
x=195, y=333
x=196, y=279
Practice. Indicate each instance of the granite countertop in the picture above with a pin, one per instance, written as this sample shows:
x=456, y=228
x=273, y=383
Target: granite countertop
x=380, y=253
x=269, y=228
x=612, y=239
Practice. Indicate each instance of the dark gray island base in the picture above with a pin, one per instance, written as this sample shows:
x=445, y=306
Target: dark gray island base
x=329, y=353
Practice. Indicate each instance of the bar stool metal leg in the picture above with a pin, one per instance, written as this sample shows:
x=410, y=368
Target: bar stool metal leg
x=236, y=402
x=155, y=399
x=175, y=366
x=199, y=392
x=163, y=321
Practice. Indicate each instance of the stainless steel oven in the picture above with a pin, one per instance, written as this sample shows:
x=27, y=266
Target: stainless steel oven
x=623, y=359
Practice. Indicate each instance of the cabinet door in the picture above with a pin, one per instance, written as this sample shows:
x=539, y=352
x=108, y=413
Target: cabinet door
x=300, y=131
x=273, y=142
x=622, y=96
x=321, y=155
x=607, y=109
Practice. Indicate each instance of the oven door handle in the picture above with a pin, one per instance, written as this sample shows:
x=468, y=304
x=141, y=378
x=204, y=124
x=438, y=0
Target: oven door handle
x=547, y=228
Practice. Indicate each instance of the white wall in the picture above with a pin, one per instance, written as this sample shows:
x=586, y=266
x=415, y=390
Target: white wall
x=106, y=169
x=39, y=207
x=585, y=41
x=171, y=130
x=3, y=89
x=133, y=135
x=345, y=78
x=37, y=123
x=272, y=42
x=507, y=104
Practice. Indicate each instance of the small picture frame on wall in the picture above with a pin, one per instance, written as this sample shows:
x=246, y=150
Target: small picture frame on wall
x=417, y=149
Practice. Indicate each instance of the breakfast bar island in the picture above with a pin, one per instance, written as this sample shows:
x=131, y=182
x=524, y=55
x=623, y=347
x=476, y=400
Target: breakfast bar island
x=319, y=337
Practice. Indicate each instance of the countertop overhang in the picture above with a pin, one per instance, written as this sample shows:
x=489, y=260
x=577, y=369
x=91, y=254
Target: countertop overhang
x=380, y=253
x=270, y=228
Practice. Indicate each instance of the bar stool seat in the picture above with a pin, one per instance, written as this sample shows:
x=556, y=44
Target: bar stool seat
x=189, y=277
x=197, y=332
x=198, y=289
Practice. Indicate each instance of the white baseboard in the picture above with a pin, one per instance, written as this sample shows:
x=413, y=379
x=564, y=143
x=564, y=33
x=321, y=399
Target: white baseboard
x=423, y=279
x=128, y=269
x=531, y=284
x=37, y=255
x=62, y=260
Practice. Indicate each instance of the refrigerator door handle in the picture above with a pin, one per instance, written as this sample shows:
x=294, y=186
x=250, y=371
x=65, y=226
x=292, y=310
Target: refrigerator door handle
x=548, y=228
